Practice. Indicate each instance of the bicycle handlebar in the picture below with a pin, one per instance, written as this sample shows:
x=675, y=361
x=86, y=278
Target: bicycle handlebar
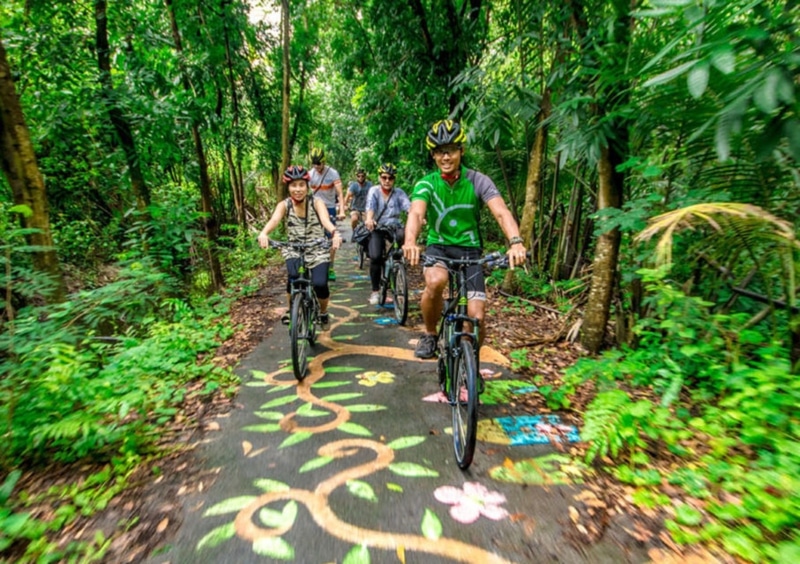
x=322, y=241
x=492, y=260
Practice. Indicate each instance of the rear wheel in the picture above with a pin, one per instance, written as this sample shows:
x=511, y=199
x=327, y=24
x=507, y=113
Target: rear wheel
x=362, y=252
x=465, y=406
x=298, y=334
x=400, y=289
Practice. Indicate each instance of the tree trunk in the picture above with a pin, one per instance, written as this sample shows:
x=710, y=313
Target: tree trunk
x=118, y=120
x=286, y=95
x=533, y=182
x=18, y=161
x=209, y=220
x=604, y=266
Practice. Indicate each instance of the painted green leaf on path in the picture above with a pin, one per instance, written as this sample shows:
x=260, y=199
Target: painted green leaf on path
x=412, y=470
x=217, y=536
x=295, y=438
x=279, y=401
x=346, y=337
x=361, y=489
x=257, y=384
x=315, y=463
x=431, y=525
x=275, y=519
x=232, y=505
x=274, y=547
x=281, y=388
x=307, y=410
x=259, y=374
x=405, y=442
x=357, y=555
x=267, y=485
x=270, y=415
x=340, y=369
x=265, y=428
x=330, y=383
x=364, y=408
x=355, y=429
x=394, y=487
x=342, y=397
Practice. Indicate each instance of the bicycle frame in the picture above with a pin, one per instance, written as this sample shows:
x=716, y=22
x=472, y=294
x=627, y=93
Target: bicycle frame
x=304, y=308
x=459, y=363
x=393, y=277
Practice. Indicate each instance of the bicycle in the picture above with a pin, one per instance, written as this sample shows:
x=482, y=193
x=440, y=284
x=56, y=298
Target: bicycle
x=304, y=308
x=459, y=363
x=393, y=277
x=362, y=250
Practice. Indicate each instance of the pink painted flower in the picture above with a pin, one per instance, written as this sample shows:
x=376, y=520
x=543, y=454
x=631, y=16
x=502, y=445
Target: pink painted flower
x=472, y=502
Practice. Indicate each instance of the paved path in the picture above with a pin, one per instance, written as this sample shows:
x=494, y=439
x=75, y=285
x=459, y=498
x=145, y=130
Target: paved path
x=355, y=464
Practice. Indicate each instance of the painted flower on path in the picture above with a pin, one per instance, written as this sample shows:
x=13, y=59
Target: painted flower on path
x=372, y=378
x=474, y=500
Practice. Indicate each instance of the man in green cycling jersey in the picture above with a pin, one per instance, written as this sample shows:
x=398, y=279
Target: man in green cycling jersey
x=451, y=199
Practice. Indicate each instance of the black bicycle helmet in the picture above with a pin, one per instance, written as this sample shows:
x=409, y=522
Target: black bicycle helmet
x=445, y=132
x=296, y=172
x=388, y=168
x=317, y=156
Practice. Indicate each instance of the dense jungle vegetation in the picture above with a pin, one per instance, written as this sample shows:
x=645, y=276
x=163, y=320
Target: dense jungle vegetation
x=649, y=149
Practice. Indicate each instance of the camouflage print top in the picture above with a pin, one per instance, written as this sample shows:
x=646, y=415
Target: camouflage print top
x=304, y=230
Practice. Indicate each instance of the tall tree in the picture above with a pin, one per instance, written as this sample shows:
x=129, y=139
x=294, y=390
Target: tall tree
x=209, y=220
x=121, y=125
x=612, y=91
x=286, y=93
x=22, y=172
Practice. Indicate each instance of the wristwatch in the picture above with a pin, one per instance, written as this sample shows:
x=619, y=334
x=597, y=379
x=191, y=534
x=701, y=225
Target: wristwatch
x=515, y=241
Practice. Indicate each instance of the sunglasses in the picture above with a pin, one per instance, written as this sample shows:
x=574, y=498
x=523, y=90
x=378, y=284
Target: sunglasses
x=446, y=150
x=386, y=177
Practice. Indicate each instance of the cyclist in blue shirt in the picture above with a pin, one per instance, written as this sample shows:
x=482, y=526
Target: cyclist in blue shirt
x=385, y=203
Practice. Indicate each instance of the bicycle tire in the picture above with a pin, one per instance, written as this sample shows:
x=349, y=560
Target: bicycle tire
x=400, y=291
x=312, y=309
x=298, y=334
x=384, y=287
x=361, y=254
x=465, y=413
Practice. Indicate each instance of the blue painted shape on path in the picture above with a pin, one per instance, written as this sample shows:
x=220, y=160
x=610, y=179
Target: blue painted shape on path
x=537, y=429
x=386, y=321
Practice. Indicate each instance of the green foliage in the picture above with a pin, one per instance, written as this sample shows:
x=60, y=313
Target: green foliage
x=15, y=526
x=18, y=278
x=728, y=407
x=70, y=391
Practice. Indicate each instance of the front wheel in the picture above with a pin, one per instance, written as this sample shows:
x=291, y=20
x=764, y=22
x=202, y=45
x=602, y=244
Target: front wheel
x=384, y=288
x=464, y=393
x=400, y=290
x=298, y=334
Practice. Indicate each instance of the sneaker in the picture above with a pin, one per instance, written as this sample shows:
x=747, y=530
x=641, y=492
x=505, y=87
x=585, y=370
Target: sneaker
x=331, y=275
x=324, y=321
x=286, y=318
x=374, y=298
x=426, y=346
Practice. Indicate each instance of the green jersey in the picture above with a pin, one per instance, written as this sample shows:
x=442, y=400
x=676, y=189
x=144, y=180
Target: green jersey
x=453, y=212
